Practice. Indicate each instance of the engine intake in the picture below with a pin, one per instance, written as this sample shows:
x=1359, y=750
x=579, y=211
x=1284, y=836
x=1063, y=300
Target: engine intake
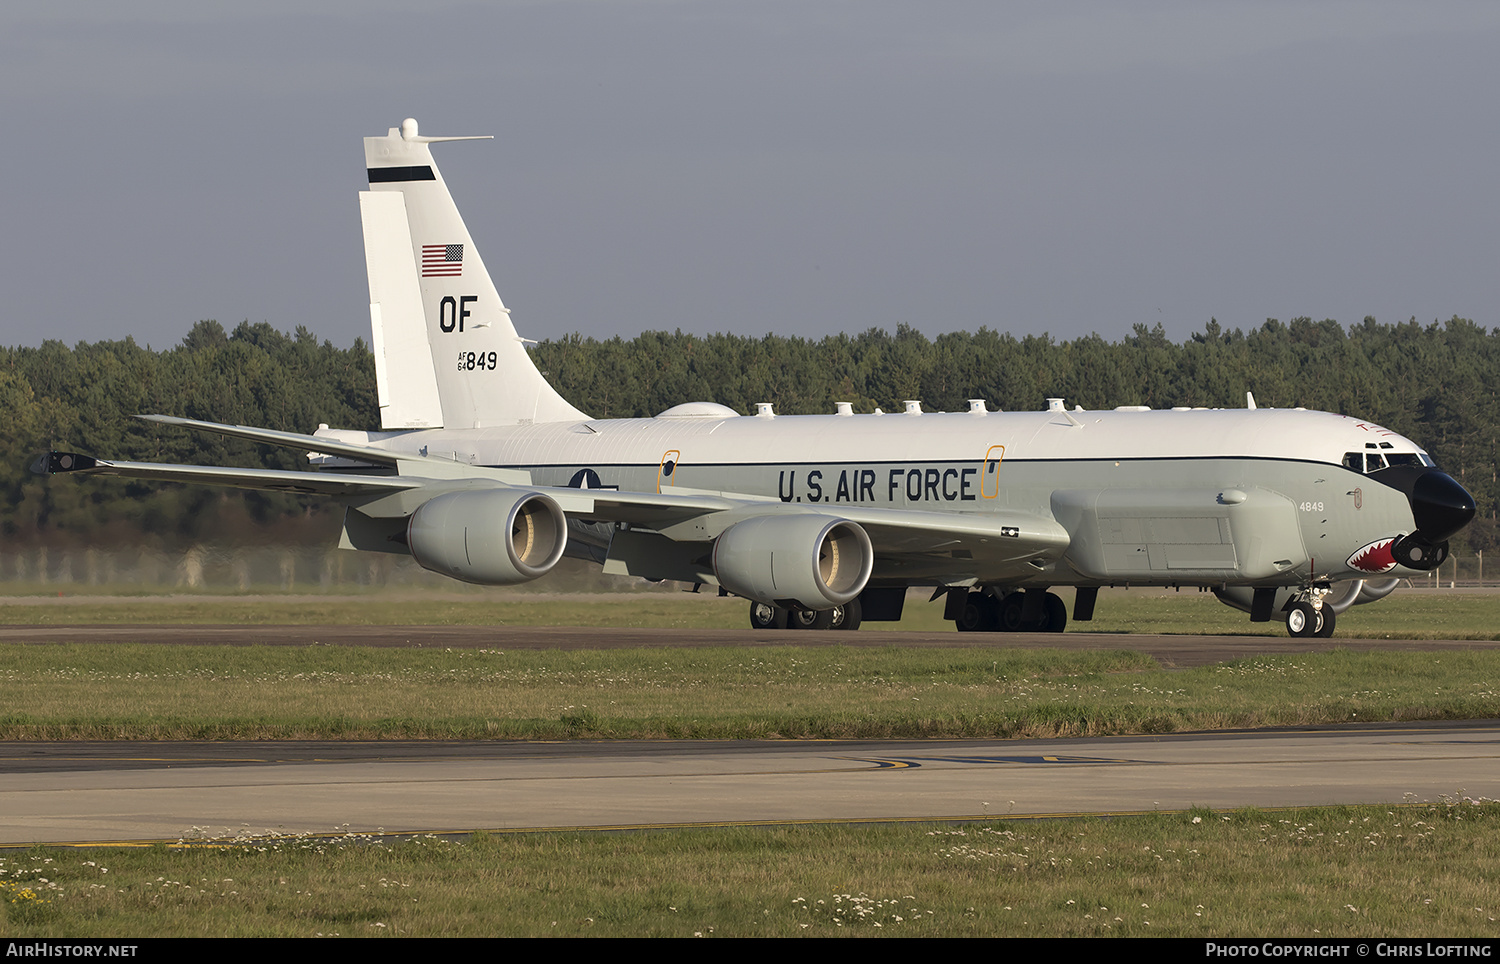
x=809, y=561
x=491, y=537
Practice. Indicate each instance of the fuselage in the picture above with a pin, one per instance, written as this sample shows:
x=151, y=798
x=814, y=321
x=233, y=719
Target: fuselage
x=1220, y=496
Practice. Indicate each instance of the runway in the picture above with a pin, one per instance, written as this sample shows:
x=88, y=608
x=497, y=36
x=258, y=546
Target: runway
x=72, y=793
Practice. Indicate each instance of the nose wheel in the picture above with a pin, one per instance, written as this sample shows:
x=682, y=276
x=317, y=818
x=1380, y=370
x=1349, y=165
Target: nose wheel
x=1305, y=620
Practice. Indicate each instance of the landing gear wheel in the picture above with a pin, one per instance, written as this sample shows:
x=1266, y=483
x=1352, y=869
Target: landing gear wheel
x=1302, y=620
x=981, y=614
x=1054, y=614
x=1329, y=617
x=809, y=619
x=767, y=616
x=848, y=615
x=1009, y=615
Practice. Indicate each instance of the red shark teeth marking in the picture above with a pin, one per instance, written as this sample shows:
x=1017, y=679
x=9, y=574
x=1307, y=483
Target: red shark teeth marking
x=1375, y=557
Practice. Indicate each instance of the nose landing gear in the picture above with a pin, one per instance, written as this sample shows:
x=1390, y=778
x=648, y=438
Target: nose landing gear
x=1307, y=615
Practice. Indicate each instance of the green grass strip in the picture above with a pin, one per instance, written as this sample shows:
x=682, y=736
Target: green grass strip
x=130, y=691
x=1421, y=870
x=1406, y=614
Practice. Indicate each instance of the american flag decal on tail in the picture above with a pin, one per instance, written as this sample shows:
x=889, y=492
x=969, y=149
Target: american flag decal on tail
x=442, y=260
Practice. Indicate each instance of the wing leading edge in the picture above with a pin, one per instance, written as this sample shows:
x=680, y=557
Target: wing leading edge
x=338, y=485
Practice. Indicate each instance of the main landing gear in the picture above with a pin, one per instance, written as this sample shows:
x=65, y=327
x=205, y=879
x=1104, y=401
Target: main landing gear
x=980, y=612
x=766, y=616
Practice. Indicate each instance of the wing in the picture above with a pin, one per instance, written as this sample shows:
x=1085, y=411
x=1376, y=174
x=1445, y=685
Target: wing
x=337, y=484
x=676, y=540
x=666, y=535
x=958, y=549
x=393, y=495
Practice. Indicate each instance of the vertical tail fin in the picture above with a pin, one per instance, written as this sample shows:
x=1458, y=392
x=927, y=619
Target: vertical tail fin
x=404, y=377
x=446, y=351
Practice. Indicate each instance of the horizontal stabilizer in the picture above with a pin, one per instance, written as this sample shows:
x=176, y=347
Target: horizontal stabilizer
x=288, y=440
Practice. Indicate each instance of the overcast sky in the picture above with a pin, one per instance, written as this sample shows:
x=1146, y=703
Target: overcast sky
x=752, y=166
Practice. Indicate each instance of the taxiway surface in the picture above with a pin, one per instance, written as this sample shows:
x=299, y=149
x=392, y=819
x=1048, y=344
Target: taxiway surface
x=116, y=792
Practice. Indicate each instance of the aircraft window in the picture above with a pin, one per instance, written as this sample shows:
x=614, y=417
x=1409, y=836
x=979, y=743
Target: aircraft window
x=1427, y=460
x=1375, y=461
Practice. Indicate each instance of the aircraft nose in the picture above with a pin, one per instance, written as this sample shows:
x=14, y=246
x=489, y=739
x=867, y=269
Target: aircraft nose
x=1439, y=505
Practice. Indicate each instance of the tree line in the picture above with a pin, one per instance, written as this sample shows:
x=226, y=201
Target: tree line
x=1436, y=383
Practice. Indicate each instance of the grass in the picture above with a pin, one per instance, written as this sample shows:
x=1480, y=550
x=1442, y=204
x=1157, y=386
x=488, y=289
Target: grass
x=1330, y=872
x=140, y=691
x=1419, y=614
x=1425, y=870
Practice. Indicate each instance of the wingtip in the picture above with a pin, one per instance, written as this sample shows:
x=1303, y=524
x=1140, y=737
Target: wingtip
x=55, y=463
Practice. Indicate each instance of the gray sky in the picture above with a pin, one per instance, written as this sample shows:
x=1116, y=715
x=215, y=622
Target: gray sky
x=793, y=166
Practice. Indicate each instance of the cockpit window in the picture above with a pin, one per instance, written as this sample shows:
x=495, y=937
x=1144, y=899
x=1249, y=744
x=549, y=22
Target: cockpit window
x=1375, y=461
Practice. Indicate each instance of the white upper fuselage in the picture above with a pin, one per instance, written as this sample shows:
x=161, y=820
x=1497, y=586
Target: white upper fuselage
x=1292, y=435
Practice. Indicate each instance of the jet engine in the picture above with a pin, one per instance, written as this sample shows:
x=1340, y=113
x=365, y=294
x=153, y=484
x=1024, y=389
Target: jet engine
x=492, y=537
x=795, y=561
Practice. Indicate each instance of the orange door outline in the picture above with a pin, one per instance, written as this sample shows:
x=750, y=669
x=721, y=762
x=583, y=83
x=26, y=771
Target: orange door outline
x=668, y=468
x=989, y=472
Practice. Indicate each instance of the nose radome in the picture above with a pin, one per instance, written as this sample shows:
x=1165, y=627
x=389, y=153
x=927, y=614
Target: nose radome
x=1439, y=505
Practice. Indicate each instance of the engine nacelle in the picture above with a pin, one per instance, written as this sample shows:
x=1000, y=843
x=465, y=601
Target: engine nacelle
x=807, y=561
x=492, y=537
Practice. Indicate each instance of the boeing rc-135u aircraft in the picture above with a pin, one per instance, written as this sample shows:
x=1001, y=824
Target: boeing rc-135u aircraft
x=484, y=473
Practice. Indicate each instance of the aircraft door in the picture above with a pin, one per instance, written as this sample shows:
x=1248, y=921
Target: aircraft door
x=989, y=472
x=667, y=471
